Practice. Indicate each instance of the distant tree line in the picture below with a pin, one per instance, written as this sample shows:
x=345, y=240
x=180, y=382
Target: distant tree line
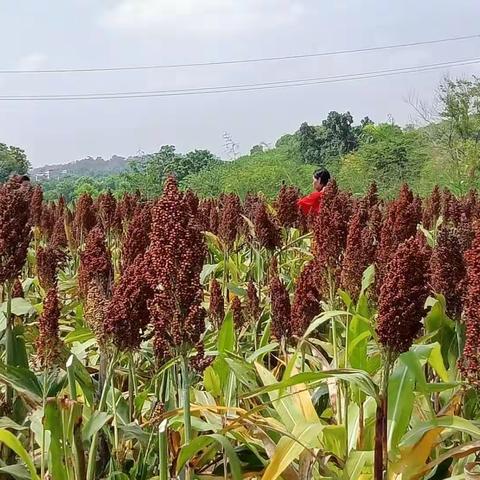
x=445, y=149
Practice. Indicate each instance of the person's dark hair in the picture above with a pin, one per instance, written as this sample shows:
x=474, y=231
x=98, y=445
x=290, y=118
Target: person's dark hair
x=25, y=178
x=322, y=175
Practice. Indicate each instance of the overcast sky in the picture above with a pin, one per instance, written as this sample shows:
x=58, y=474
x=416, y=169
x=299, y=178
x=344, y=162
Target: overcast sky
x=102, y=33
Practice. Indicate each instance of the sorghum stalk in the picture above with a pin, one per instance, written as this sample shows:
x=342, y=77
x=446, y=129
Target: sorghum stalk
x=92, y=454
x=9, y=345
x=186, y=405
x=162, y=450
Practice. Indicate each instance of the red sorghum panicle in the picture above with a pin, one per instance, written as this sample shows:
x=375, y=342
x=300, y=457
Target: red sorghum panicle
x=61, y=205
x=95, y=263
x=432, y=208
x=402, y=296
x=85, y=217
x=451, y=208
x=286, y=206
x=47, y=220
x=126, y=207
x=281, y=325
x=250, y=204
x=175, y=257
x=192, y=201
x=14, y=228
x=96, y=311
x=203, y=214
x=127, y=314
x=371, y=197
x=237, y=312
x=49, y=344
x=447, y=270
x=267, y=232
x=330, y=235
x=359, y=252
x=107, y=206
x=48, y=261
x=403, y=216
x=59, y=237
x=470, y=361
x=469, y=205
x=253, y=302
x=137, y=238
x=466, y=232
x=230, y=219
x=306, y=300
x=17, y=289
x=216, y=310
x=36, y=205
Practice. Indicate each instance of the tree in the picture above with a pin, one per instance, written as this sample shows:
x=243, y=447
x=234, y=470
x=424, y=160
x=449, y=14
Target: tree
x=459, y=130
x=13, y=161
x=388, y=155
x=336, y=136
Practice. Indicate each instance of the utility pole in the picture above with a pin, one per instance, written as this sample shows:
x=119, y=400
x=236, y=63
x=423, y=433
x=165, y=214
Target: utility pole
x=231, y=147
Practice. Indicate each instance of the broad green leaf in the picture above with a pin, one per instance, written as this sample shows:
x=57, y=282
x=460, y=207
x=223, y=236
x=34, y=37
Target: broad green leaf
x=284, y=406
x=454, y=423
x=189, y=451
x=400, y=402
x=23, y=381
x=207, y=270
x=211, y=381
x=368, y=278
x=6, y=422
x=243, y=372
x=12, y=442
x=333, y=439
x=322, y=318
x=80, y=334
x=359, y=332
x=356, y=377
x=19, y=307
x=355, y=463
x=84, y=379
x=260, y=352
x=53, y=422
x=289, y=448
x=226, y=335
x=96, y=421
x=18, y=471
x=134, y=431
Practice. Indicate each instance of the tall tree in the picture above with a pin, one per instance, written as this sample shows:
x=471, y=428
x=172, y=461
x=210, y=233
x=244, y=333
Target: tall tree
x=13, y=161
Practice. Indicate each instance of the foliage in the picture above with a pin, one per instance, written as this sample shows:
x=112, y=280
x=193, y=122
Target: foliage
x=234, y=399
x=13, y=161
x=388, y=155
x=263, y=172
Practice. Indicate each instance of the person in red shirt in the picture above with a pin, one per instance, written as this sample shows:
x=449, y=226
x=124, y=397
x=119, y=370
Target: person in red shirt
x=312, y=203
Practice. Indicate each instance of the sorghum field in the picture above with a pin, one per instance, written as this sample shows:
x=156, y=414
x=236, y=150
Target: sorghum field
x=215, y=339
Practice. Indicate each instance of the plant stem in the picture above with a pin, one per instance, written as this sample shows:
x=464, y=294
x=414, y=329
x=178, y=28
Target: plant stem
x=131, y=387
x=92, y=454
x=9, y=342
x=162, y=450
x=186, y=406
x=42, y=450
x=115, y=424
x=381, y=450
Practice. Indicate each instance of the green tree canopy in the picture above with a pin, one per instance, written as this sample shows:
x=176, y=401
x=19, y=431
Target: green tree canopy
x=13, y=161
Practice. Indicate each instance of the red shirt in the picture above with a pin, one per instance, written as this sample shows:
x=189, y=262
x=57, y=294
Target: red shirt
x=311, y=203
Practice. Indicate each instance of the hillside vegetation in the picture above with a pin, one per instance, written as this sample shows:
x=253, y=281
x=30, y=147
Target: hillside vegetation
x=443, y=151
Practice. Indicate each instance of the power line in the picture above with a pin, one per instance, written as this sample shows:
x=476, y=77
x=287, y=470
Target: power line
x=242, y=87
x=239, y=61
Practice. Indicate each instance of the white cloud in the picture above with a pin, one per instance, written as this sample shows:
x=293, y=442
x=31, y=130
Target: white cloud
x=206, y=15
x=32, y=61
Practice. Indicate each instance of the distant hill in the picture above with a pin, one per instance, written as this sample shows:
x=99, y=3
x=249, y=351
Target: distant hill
x=88, y=167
